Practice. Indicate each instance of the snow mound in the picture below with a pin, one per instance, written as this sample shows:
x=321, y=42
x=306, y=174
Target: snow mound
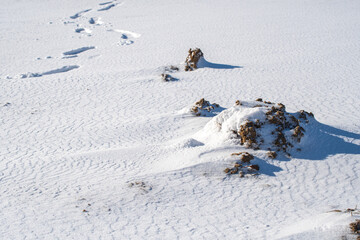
x=190, y=143
x=258, y=125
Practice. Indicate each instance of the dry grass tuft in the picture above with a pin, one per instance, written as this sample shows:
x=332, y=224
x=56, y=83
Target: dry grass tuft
x=247, y=134
x=272, y=154
x=172, y=68
x=246, y=157
x=355, y=226
x=192, y=59
x=254, y=167
x=298, y=133
x=167, y=77
x=242, y=166
x=203, y=105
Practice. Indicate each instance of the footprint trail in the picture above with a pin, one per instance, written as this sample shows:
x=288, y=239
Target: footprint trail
x=79, y=14
x=55, y=71
x=78, y=50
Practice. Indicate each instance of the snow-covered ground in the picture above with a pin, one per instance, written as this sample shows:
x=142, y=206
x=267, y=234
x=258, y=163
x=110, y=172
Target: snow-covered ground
x=94, y=145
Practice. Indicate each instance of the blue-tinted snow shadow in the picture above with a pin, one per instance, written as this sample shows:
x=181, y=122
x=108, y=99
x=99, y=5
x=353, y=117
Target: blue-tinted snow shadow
x=203, y=63
x=326, y=140
x=216, y=168
x=265, y=167
x=212, y=113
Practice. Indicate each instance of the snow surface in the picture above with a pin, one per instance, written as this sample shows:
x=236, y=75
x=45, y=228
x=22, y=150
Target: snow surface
x=94, y=145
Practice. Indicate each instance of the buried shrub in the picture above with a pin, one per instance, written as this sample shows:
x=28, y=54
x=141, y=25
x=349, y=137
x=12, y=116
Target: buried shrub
x=167, y=77
x=247, y=134
x=245, y=157
x=242, y=165
x=355, y=226
x=171, y=69
x=272, y=154
x=203, y=107
x=191, y=62
x=286, y=127
x=258, y=125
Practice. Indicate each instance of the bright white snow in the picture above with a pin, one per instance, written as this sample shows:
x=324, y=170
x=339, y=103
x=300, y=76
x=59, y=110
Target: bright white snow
x=94, y=145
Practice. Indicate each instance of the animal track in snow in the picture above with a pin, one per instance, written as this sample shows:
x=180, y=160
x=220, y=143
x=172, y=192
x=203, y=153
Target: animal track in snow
x=95, y=20
x=104, y=3
x=78, y=50
x=125, y=36
x=59, y=70
x=80, y=30
x=70, y=56
x=79, y=14
x=108, y=7
x=125, y=40
x=127, y=33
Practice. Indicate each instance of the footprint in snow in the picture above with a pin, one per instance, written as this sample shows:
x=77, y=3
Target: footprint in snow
x=125, y=40
x=79, y=14
x=78, y=50
x=54, y=71
x=74, y=53
x=95, y=21
x=105, y=3
x=126, y=36
x=108, y=6
x=81, y=30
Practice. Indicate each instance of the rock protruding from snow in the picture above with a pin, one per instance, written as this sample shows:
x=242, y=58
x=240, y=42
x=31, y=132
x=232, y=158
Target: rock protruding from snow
x=191, y=62
x=205, y=108
x=258, y=125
